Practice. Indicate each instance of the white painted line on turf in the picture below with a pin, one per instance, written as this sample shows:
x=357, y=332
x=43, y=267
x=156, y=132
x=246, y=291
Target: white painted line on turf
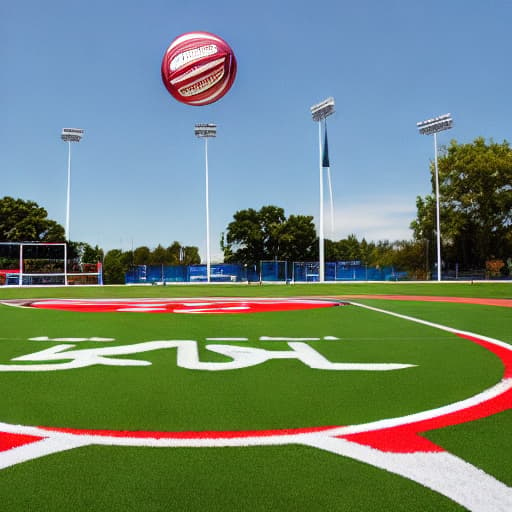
x=227, y=339
x=440, y=471
x=36, y=449
x=72, y=340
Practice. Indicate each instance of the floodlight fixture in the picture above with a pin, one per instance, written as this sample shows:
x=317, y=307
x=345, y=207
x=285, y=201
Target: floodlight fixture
x=206, y=131
x=70, y=135
x=323, y=109
x=433, y=127
x=319, y=112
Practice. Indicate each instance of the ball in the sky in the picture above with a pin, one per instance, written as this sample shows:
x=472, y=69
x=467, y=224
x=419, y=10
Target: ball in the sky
x=198, y=68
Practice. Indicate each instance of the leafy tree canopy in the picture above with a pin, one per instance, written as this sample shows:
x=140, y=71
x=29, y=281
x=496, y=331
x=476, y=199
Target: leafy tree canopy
x=25, y=221
x=267, y=234
x=475, y=191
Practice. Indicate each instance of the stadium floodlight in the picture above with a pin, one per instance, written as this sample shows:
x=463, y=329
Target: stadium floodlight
x=319, y=113
x=323, y=109
x=70, y=135
x=205, y=131
x=433, y=127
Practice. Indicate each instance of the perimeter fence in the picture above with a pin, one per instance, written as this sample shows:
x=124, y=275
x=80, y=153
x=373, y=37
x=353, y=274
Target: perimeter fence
x=269, y=271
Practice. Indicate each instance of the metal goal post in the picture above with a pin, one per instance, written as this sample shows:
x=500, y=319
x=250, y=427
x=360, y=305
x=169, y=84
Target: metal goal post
x=44, y=264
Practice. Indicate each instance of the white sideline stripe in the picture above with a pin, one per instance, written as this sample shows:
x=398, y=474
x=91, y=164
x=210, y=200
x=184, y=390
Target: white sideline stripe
x=488, y=394
x=494, y=391
x=436, y=326
x=440, y=471
x=38, y=449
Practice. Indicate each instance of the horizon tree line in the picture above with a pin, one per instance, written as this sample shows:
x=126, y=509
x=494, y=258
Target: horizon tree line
x=476, y=226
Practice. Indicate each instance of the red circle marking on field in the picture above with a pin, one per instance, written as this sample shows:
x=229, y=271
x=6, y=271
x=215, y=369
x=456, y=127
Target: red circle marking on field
x=404, y=435
x=189, y=306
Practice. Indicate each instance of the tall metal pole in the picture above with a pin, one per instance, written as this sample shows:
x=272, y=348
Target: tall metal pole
x=70, y=135
x=66, y=264
x=68, y=196
x=321, y=252
x=20, y=275
x=319, y=112
x=207, y=212
x=438, y=217
x=206, y=130
x=432, y=127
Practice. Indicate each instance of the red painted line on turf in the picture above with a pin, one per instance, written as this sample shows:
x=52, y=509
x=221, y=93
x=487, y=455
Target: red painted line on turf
x=9, y=440
x=405, y=438
x=187, y=306
x=425, y=298
x=402, y=438
x=144, y=434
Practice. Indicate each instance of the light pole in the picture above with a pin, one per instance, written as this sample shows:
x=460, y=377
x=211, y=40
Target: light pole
x=319, y=112
x=429, y=127
x=70, y=135
x=206, y=131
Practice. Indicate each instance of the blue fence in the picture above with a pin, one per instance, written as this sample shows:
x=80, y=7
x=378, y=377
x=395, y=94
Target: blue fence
x=151, y=274
x=344, y=271
x=275, y=270
x=270, y=271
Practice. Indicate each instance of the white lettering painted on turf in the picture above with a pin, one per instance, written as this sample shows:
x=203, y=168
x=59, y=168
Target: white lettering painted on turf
x=227, y=339
x=284, y=338
x=71, y=340
x=442, y=472
x=62, y=357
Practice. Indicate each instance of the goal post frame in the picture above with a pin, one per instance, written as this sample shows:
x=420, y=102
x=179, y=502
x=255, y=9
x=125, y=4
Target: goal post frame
x=65, y=274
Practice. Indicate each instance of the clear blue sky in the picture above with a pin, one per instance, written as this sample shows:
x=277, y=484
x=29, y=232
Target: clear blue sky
x=138, y=174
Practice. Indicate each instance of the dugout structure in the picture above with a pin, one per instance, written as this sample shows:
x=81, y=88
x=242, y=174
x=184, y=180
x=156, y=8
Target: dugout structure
x=44, y=264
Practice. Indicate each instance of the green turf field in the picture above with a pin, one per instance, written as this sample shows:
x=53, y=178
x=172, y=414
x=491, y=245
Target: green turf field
x=276, y=394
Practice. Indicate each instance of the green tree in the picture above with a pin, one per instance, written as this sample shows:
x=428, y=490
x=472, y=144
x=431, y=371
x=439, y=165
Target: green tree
x=244, y=238
x=114, y=267
x=298, y=239
x=191, y=255
x=475, y=182
x=24, y=221
x=92, y=254
x=82, y=252
x=267, y=235
x=158, y=256
x=175, y=253
x=349, y=249
x=141, y=255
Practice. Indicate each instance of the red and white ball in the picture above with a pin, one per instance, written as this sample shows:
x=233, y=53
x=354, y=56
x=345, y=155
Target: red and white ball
x=198, y=68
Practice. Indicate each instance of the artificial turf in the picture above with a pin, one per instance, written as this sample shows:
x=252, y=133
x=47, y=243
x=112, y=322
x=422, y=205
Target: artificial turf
x=275, y=394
